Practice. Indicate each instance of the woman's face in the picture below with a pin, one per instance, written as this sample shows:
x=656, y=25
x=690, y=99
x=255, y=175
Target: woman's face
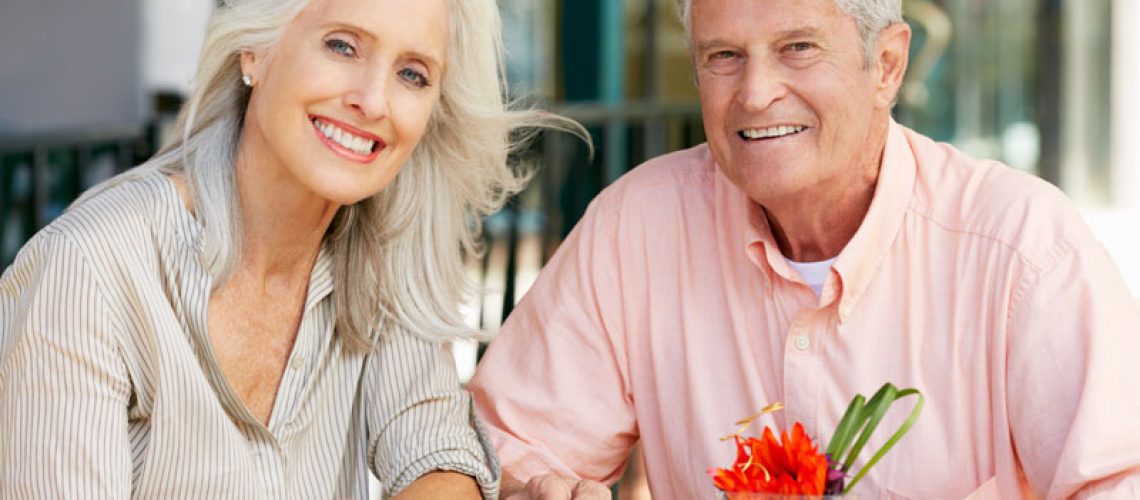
x=342, y=99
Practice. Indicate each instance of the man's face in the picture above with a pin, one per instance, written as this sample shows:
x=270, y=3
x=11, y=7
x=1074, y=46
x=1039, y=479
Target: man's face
x=788, y=103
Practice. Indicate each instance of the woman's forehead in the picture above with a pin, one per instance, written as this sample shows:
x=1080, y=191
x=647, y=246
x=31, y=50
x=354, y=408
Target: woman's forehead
x=422, y=24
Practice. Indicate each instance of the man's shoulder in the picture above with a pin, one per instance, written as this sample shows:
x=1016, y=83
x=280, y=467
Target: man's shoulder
x=671, y=178
x=989, y=199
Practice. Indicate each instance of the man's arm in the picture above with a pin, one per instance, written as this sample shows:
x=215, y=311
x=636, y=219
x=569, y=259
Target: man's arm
x=553, y=487
x=1071, y=380
x=553, y=387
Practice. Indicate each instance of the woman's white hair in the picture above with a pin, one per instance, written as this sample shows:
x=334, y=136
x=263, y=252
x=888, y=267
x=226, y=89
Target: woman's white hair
x=398, y=256
x=870, y=15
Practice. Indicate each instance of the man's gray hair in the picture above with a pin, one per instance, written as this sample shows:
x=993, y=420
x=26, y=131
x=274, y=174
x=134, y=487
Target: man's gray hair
x=870, y=15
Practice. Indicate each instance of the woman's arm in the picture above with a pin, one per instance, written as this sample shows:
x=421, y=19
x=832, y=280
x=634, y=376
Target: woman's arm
x=441, y=485
x=64, y=390
x=421, y=422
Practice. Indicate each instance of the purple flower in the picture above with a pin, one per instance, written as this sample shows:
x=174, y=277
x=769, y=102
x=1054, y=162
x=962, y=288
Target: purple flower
x=833, y=485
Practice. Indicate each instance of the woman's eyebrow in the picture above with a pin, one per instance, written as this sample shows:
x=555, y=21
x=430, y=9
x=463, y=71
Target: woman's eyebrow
x=428, y=59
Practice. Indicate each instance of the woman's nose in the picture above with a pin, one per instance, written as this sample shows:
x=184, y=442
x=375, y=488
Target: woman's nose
x=369, y=96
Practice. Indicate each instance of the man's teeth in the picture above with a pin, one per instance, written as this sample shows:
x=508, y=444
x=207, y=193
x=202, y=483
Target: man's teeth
x=767, y=133
x=351, y=142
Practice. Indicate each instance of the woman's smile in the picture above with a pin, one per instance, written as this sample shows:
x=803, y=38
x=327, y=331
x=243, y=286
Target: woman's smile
x=346, y=141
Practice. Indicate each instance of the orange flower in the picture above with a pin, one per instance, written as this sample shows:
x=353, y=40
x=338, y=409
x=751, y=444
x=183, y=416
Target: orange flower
x=791, y=466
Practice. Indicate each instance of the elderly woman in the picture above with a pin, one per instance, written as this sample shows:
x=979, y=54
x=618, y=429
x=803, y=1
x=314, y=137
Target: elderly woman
x=263, y=309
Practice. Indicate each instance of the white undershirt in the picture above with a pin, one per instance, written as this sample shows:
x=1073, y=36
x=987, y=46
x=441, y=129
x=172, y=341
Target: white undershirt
x=814, y=273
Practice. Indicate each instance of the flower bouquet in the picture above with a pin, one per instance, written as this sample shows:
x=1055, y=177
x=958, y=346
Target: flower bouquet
x=794, y=467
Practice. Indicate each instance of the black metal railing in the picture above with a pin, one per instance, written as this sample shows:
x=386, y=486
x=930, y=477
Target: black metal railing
x=521, y=238
x=40, y=174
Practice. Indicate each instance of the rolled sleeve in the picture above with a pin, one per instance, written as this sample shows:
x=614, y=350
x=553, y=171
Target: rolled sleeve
x=419, y=418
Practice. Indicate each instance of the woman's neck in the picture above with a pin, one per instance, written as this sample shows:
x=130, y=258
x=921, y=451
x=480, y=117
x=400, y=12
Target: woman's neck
x=283, y=224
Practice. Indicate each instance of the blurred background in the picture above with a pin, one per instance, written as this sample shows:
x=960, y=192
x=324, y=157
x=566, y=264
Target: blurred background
x=89, y=88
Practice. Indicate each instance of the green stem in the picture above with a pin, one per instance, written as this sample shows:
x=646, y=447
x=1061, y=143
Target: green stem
x=863, y=418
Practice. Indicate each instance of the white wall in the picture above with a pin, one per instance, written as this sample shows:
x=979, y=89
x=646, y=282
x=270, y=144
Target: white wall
x=66, y=64
x=1126, y=104
x=1118, y=224
x=172, y=37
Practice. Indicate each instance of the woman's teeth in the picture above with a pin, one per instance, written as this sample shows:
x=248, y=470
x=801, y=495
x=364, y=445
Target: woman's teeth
x=351, y=142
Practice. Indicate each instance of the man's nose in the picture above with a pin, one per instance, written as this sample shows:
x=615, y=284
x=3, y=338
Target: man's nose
x=762, y=84
x=368, y=96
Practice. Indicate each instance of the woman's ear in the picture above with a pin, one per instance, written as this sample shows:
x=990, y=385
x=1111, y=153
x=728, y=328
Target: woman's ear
x=249, y=65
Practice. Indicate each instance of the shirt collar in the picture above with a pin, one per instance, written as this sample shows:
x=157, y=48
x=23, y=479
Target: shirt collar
x=321, y=279
x=864, y=254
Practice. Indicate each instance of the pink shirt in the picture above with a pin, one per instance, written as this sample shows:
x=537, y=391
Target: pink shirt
x=669, y=313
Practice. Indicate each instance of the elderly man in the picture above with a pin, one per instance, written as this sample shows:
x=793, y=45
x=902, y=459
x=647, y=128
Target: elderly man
x=813, y=250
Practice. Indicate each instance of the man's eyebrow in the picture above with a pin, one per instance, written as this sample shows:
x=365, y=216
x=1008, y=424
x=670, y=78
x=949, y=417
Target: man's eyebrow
x=802, y=32
x=704, y=45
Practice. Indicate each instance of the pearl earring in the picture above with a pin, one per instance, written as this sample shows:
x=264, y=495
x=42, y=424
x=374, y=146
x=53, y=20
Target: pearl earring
x=247, y=80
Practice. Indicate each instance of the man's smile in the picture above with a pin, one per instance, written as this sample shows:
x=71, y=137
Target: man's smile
x=770, y=132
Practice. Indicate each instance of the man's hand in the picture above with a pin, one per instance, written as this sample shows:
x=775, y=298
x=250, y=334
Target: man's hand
x=553, y=487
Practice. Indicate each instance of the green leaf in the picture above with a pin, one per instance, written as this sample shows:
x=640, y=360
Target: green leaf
x=870, y=418
x=845, y=431
x=906, y=425
x=863, y=417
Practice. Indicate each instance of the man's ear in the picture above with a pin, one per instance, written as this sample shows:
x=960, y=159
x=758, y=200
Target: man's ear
x=892, y=53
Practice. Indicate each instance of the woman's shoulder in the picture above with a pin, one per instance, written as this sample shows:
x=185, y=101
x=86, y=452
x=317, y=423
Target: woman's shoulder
x=129, y=216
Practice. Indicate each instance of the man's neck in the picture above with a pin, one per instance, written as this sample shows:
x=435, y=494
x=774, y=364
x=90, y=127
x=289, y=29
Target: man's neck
x=820, y=227
x=817, y=225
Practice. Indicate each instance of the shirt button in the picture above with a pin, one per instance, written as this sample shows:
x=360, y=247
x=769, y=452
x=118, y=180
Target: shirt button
x=802, y=342
x=297, y=363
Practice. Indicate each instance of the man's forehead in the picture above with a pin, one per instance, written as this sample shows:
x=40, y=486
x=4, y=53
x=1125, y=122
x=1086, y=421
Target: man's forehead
x=775, y=19
x=776, y=9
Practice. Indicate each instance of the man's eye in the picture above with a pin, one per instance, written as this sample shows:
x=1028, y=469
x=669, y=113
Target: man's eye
x=800, y=47
x=721, y=55
x=340, y=47
x=414, y=77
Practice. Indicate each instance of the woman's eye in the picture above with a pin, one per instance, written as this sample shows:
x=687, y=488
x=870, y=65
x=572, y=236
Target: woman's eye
x=414, y=77
x=340, y=47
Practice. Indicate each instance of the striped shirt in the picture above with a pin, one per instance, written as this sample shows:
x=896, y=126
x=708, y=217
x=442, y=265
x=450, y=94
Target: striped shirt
x=109, y=388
